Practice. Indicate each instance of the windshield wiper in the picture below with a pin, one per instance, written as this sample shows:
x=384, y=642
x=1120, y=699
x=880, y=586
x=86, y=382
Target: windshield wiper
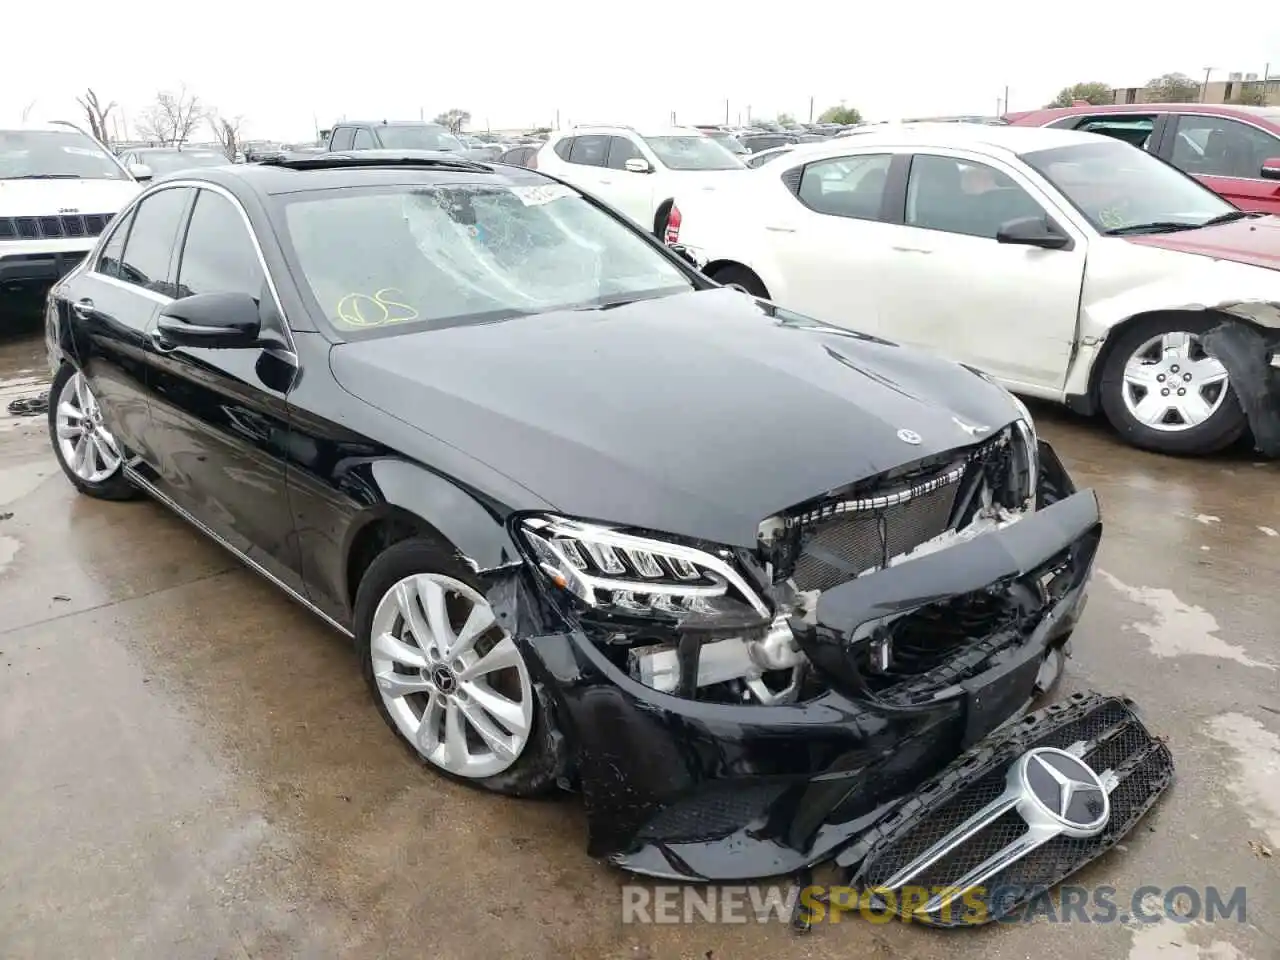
x=1230, y=217
x=1155, y=226
x=44, y=176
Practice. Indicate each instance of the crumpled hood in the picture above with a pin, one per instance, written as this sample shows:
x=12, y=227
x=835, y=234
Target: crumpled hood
x=699, y=414
x=46, y=198
x=1255, y=241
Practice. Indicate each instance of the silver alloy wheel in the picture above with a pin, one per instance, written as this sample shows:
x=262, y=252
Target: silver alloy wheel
x=451, y=679
x=1171, y=384
x=87, y=447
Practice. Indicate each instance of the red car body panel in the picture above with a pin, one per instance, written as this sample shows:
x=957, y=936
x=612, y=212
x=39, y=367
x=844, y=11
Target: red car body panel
x=1248, y=193
x=1255, y=242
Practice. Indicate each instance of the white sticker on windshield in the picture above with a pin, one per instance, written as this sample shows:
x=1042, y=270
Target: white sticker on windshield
x=545, y=193
x=83, y=152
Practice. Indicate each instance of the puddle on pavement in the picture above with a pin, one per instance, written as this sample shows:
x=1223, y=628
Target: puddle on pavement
x=1179, y=629
x=1256, y=784
x=1170, y=940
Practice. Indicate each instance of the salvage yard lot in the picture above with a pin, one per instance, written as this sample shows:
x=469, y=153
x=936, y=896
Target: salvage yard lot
x=192, y=767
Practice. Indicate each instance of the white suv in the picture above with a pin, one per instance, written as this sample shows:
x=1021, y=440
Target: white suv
x=638, y=172
x=59, y=188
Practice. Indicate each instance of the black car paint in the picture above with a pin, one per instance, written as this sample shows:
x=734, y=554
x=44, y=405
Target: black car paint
x=301, y=458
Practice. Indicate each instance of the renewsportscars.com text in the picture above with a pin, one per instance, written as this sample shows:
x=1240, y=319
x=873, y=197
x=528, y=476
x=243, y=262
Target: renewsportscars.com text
x=1183, y=903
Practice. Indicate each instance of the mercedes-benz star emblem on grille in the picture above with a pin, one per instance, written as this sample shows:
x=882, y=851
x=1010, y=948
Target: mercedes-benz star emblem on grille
x=909, y=436
x=1066, y=789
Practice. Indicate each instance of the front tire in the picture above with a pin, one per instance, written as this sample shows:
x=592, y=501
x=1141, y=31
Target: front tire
x=448, y=680
x=89, y=455
x=1163, y=392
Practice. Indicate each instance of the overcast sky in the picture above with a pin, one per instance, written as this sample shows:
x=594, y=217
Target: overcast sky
x=515, y=62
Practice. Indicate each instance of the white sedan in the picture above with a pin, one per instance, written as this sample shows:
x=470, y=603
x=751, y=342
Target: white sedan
x=1064, y=265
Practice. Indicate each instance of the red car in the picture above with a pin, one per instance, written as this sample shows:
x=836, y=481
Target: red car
x=1233, y=150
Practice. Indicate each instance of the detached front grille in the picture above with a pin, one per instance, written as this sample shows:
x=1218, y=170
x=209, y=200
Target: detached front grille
x=54, y=228
x=961, y=853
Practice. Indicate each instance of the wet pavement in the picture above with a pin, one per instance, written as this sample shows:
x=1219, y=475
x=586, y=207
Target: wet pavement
x=190, y=766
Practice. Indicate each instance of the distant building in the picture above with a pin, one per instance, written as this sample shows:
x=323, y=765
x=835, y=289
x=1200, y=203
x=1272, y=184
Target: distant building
x=1218, y=91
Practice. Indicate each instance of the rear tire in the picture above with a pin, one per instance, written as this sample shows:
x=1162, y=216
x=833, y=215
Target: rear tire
x=487, y=728
x=92, y=459
x=737, y=277
x=1147, y=366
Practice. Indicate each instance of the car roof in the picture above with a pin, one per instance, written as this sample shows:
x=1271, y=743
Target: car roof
x=592, y=129
x=368, y=168
x=1269, y=115
x=978, y=136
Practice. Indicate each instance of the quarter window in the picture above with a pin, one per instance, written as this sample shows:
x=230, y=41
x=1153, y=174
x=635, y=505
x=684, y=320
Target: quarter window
x=589, y=151
x=148, y=253
x=846, y=186
x=109, y=260
x=218, y=256
x=363, y=140
x=1221, y=147
x=961, y=196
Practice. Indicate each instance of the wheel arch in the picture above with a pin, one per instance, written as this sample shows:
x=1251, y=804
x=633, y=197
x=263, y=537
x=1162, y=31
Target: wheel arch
x=717, y=265
x=1116, y=333
x=417, y=503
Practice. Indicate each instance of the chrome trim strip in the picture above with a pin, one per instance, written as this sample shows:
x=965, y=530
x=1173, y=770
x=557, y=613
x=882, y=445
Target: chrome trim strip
x=159, y=298
x=135, y=477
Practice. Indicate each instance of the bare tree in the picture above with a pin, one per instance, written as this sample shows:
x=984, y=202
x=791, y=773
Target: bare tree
x=454, y=119
x=227, y=131
x=96, y=112
x=172, y=117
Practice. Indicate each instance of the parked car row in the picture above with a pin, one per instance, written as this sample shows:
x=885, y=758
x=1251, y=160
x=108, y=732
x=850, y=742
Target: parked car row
x=766, y=591
x=1066, y=266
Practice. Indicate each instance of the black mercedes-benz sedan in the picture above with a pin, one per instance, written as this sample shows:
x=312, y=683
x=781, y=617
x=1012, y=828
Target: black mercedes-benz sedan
x=768, y=593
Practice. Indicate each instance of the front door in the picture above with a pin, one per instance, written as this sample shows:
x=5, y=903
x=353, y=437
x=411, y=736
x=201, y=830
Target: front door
x=1008, y=310
x=220, y=416
x=630, y=192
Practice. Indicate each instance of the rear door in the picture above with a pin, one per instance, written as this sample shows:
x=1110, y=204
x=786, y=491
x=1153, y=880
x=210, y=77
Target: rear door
x=830, y=240
x=220, y=415
x=1226, y=154
x=585, y=167
x=113, y=305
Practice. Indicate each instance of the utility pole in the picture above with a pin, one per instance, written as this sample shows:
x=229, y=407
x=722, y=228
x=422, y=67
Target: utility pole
x=811, y=108
x=1204, y=91
x=1006, y=99
x=557, y=118
x=748, y=114
x=726, y=111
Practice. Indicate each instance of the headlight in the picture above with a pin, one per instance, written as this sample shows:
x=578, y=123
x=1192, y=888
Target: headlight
x=615, y=571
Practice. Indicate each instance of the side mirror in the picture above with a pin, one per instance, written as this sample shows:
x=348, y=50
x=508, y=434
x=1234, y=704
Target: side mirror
x=1033, y=232
x=140, y=172
x=1271, y=169
x=638, y=165
x=216, y=320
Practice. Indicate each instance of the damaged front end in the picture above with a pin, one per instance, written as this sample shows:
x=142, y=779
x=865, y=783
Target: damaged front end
x=733, y=714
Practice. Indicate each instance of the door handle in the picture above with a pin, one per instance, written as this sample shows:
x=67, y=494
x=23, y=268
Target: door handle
x=607, y=183
x=912, y=250
x=161, y=344
x=779, y=229
x=83, y=308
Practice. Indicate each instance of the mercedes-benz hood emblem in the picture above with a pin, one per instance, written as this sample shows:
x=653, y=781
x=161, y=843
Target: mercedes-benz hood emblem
x=909, y=436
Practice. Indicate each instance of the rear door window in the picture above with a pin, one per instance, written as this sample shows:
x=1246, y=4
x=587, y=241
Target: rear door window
x=1221, y=147
x=589, y=151
x=342, y=138
x=363, y=140
x=148, y=258
x=846, y=186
